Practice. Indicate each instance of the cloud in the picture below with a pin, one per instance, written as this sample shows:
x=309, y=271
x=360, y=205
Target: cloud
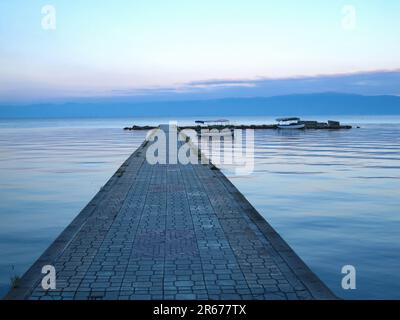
x=362, y=83
x=226, y=82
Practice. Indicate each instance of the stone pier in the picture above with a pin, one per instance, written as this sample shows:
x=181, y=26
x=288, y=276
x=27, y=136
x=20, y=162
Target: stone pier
x=170, y=231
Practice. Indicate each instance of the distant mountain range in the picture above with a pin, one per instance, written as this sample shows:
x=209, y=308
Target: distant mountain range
x=296, y=104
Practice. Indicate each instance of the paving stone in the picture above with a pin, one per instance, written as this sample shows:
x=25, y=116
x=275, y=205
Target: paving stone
x=184, y=283
x=185, y=296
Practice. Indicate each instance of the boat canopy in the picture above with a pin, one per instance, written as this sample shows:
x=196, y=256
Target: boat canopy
x=288, y=119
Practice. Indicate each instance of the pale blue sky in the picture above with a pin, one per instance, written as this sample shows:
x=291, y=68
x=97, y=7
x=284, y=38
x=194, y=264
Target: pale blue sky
x=101, y=47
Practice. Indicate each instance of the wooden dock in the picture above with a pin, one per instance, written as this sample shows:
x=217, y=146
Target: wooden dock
x=170, y=231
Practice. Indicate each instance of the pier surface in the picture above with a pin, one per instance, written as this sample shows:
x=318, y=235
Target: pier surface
x=170, y=231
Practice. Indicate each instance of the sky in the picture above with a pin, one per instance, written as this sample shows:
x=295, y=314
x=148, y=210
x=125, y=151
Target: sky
x=111, y=48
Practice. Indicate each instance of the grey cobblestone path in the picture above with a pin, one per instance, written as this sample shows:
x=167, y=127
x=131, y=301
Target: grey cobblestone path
x=171, y=232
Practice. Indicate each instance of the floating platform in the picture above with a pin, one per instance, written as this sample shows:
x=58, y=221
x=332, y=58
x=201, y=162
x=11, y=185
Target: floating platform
x=314, y=125
x=170, y=231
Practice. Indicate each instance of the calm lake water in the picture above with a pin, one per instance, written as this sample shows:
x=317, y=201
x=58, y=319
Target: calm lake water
x=334, y=196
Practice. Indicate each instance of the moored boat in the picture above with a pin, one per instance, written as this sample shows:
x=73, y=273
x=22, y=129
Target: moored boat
x=290, y=123
x=219, y=127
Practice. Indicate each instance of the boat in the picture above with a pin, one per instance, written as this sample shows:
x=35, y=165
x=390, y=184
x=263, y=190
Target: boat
x=290, y=123
x=213, y=128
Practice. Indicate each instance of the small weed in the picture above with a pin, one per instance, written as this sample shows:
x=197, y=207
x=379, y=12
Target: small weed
x=14, y=279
